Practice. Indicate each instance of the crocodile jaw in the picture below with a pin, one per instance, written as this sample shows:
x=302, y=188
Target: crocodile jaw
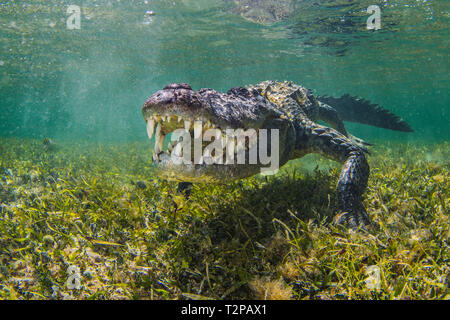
x=168, y=154
x=178, y=107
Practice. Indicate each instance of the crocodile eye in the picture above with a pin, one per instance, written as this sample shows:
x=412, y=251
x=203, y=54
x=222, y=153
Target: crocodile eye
x=174, y=86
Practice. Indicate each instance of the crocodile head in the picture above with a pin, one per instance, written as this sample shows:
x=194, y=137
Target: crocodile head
x=210, y=116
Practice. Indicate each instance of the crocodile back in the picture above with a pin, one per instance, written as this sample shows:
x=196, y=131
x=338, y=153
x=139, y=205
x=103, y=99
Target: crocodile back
x=295, y=101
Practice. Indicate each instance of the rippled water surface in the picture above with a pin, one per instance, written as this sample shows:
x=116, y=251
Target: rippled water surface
x=92, y=82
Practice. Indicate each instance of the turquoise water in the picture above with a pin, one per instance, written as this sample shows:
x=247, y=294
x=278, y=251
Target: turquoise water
x=91, y=83
x=91, y=199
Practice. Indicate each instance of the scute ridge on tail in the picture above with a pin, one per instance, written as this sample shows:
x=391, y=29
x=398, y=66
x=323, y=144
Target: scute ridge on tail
x=360, y=110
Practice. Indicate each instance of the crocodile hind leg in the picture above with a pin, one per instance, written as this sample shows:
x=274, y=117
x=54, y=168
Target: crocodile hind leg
x=315, y=138
x=332, y=118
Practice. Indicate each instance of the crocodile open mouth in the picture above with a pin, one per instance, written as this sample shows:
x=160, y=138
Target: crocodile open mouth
x=161, y=126
x=209, y=136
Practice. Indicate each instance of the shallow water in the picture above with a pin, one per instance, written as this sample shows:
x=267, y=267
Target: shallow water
x=91, y=83
x=90, y=199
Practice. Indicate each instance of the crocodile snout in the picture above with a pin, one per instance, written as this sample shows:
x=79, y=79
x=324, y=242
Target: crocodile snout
x=174, y=99
x=175, y=86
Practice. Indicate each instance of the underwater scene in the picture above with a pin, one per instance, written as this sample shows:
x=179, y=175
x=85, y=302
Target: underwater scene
x=224, y=150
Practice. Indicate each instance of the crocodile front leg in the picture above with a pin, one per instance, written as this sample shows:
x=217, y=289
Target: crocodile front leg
x=314, y=138
x=351, y=186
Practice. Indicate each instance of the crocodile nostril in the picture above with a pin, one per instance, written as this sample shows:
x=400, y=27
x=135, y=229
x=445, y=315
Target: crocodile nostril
x=174, y=86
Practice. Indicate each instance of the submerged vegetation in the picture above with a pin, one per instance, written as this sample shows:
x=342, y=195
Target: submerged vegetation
x=132, y=236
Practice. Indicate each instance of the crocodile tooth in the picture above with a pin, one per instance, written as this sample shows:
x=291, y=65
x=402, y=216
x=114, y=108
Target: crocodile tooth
x=198, y=129
x=159, y=140
x=179, y=119
x=158, y=129
x=168, y=118
x=163, y=118
x=150, y=127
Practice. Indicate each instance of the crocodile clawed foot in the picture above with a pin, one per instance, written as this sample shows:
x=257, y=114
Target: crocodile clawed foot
x=354, y=220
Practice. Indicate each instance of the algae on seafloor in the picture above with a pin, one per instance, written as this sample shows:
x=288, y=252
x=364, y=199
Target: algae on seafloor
x=99, y=208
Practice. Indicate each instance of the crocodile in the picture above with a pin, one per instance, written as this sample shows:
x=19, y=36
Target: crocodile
x=293, y=110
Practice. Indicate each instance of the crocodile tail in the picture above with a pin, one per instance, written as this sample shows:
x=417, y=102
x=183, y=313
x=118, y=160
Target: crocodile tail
x=363, y=111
